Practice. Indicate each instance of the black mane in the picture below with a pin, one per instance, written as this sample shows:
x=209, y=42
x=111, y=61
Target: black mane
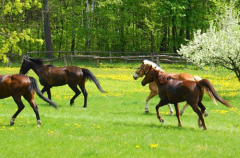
x=38, y=61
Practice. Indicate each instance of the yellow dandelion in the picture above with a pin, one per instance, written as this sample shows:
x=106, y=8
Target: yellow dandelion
x=137, y=146
x=153, y=145
x=66, y=124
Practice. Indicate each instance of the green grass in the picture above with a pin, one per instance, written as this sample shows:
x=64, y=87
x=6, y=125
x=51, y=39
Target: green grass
x=115, y=125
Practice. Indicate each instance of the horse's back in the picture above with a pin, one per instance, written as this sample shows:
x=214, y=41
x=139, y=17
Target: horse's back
x=58, y=76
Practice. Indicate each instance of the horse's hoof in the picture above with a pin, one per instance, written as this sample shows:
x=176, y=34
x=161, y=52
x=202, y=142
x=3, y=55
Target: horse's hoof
x=200, y=123
x=179, y=125
x=39, y=123
x=146, y=112
x=204, y=128
x=12, y=121
x=162, y=121
x=205, y=114
x=181, y=113
x=171, y=113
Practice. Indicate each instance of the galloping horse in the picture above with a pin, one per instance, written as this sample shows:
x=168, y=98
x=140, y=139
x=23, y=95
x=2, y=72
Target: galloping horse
x=50, y=76
x=20, y=85
x=171, y=90
x=140, y=72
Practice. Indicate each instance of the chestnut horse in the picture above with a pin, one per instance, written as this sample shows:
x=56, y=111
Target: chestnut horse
x=50, y=76
x=140, y=72
x=20, y=85
x=171, y=90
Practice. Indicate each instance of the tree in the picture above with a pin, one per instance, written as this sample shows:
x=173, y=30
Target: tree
x=47, y=28
x=13, y=34
x=220, y=45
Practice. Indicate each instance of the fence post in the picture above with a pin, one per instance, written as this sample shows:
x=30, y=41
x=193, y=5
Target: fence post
x=72, y=58
x=158, y=61
x=110, y=55
x=98, y=62
x=65, y=61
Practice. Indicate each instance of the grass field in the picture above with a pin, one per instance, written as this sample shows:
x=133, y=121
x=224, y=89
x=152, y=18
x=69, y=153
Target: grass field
x=114, y=124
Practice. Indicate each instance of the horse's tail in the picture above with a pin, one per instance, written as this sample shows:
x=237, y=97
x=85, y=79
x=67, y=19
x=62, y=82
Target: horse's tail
x=198, y=78
x=34, y=86
x=207, y=85
x=89, y=75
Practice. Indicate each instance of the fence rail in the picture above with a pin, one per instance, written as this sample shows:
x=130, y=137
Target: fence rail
x=127, y=56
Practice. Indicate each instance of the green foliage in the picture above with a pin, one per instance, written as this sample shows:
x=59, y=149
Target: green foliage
x=220, y=45
x=11, y=34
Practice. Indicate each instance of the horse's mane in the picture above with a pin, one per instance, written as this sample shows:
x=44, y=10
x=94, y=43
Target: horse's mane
x=147, y=62
x=38, y=61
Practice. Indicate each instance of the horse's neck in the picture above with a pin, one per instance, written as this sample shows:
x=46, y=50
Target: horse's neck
x=38, y=69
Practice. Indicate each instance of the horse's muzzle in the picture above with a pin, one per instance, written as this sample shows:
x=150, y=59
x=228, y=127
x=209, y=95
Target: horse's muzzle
x=143, y=84
x=135, y=76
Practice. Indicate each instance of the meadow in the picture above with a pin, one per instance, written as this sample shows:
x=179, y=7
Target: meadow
x=114, y=124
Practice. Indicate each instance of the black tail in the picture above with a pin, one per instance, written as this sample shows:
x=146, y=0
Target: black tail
x=89, y=75
x=34, y=86
x=207, y=84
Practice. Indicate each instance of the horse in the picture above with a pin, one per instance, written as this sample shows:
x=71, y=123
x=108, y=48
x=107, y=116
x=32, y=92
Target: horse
x=51, y=76
x=18, y=85
x=140, y=72
x=171, y=90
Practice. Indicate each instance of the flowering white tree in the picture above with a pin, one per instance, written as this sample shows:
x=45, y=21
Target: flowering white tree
x=220, y=45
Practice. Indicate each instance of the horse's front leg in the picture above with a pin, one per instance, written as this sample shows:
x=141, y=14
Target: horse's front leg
x=160, y=104
x=150, y=96
x=183, y=109
x=178, y=115
x=170, y=109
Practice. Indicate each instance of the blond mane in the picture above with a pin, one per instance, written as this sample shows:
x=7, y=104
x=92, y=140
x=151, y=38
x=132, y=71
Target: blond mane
x=147, y=62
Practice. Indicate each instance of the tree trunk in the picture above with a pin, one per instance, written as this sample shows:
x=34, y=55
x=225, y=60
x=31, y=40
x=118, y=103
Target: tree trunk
x=174, y=30
x=73, y=28
x=47, y=29
x=163, y=46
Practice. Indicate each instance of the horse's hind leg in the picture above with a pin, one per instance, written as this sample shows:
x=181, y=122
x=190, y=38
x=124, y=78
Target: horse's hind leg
x=199, y=113
x=77, y=92
x=20, y=105
x=30, y=98
x=85, y=94
x=203, y=108
x=48, y=92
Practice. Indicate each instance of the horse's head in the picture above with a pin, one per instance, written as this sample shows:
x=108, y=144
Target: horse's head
x=149, y=76
x=141, y=71
x=26, y=65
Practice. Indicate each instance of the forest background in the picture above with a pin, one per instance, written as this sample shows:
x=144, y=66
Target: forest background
x=158, y=26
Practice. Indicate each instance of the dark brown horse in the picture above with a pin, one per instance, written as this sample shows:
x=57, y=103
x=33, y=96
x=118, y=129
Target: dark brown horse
x=174, y=91
x=20, y=85
x=51, y=76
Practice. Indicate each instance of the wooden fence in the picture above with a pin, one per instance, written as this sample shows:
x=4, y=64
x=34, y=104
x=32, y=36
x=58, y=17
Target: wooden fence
x=111, y=56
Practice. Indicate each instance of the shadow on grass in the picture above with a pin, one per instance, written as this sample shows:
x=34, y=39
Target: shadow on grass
x=155, y=126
